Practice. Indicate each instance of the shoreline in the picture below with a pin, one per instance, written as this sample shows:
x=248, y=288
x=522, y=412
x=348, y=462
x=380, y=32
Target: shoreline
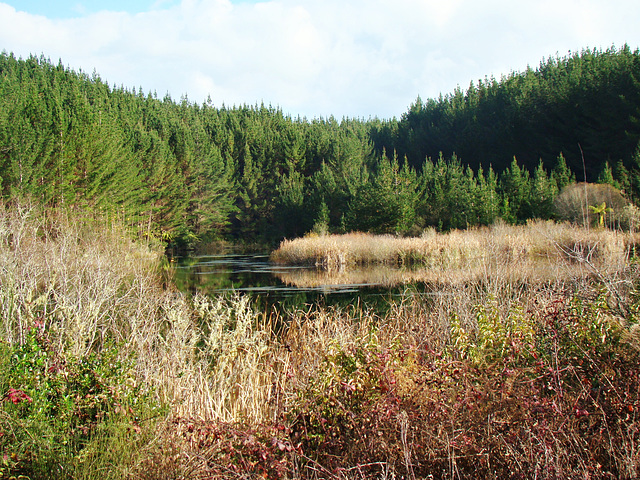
x=458, y=248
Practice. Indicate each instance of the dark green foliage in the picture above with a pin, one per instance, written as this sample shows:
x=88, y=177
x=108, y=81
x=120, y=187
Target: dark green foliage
x=561, y=173
x=386, y=203
x=585, y=103
x=321, y=225
x=188, y=173
x=516, y=190
x=543, y=191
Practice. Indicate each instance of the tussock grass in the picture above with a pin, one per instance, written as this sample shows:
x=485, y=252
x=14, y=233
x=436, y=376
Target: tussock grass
x=459, y=249
x=492, y=377
x=82, y=282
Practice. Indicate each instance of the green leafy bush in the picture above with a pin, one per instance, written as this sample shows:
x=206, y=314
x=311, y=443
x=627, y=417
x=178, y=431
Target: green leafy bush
x=55, y=405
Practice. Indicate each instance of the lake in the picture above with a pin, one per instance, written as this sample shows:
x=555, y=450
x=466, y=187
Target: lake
x=286, y=287
x=291, y=286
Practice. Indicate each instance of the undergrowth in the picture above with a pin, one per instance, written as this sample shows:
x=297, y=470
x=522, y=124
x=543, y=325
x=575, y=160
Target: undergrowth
x=107, y=372
x=547, y=393
x=60, y=410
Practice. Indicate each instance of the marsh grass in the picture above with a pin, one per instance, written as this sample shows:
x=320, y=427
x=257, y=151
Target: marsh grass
x=87, y=288
x=492, y=376
x=504, y=391
x=500, y=244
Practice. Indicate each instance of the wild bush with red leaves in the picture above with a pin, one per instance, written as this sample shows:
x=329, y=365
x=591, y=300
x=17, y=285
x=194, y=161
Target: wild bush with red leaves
x=198, y=449
x=560, y=402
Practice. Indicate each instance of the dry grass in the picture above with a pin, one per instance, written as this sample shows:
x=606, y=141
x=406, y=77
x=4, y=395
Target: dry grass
x=82, y=282
x=88, y=286
x=473, y=248
x=493, y=376
x=526, y=270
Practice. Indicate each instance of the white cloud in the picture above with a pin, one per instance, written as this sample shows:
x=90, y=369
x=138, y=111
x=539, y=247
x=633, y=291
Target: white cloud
x=356, y=58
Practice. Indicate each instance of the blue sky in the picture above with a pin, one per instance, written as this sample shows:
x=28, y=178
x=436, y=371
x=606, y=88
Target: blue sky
x=353, y=58
x=60, y=9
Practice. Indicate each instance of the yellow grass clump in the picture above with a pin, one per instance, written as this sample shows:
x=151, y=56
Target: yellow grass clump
x=457, y=248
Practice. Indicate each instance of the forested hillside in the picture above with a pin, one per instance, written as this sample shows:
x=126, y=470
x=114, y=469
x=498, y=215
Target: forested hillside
x=589, y=100
x=189, y=172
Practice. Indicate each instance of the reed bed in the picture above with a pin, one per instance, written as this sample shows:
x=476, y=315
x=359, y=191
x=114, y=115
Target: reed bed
x=86, y=289
x=460, y=249
x=493, y=377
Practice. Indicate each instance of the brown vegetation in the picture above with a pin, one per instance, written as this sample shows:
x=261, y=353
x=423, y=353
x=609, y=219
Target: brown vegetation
x=499, y=244
x=493, y=377
x=576, y=204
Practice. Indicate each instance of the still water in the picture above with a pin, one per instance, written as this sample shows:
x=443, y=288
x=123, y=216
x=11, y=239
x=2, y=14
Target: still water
x=288, y=286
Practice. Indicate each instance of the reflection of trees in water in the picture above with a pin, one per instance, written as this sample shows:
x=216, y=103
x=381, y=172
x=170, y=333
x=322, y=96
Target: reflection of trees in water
x=211, y=274
x=276, y=284
x=190, y=279
x=521, y=270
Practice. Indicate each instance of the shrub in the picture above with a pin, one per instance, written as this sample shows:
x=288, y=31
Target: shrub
x=543, y=389
x=56, y=405
x=574, y=201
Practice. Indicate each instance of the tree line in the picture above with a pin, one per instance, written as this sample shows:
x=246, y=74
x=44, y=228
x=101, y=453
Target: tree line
x=585, y=105
x=189, y=173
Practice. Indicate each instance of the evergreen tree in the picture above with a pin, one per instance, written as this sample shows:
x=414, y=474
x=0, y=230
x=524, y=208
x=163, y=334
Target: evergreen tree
x=606, y=176
x=180, y=170
x=543, y=193
x=621, y=173
x=290, y=218
x=324, y=190
x=488, y=198
x=561, y=173
x=321, y=224
x=375, y=207
x=515, y=188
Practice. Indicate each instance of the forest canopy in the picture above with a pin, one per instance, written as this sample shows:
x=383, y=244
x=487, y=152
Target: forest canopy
x=188, y=173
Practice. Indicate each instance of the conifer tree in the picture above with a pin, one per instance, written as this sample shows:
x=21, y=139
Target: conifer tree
x=543, y=193
x=290, y=218
x=321, y=224
x=516, y=190
x=324, y=189
x=561, y=173
x=488, y=198
x=606, y=176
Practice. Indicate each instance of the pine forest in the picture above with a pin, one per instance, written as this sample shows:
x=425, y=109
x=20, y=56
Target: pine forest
x=190, y=173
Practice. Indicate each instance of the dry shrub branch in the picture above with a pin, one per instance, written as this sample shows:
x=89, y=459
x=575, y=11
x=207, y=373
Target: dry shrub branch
x=492, y=376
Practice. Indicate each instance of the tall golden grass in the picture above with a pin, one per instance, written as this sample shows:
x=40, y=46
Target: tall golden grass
x=443, y=385
x=471, y=248
x=89, y=286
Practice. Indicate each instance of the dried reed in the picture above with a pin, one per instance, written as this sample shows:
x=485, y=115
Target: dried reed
x=490, y=375
x=458, y=249
x=89, y=287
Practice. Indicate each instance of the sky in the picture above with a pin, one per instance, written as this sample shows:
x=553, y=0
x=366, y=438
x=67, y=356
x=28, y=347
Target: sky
x=311, y=58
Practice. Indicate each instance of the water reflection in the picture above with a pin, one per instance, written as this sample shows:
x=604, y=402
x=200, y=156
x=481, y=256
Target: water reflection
x=292, y=287
x=253, y=273
x=287, y=288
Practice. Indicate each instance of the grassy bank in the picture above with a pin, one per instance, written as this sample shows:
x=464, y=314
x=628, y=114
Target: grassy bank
x=98, y=350
x=460, y=248
x=108, y=372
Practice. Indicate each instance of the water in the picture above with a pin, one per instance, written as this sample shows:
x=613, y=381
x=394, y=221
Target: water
x=288, y=286
x=284, y=288
x=248, y=273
